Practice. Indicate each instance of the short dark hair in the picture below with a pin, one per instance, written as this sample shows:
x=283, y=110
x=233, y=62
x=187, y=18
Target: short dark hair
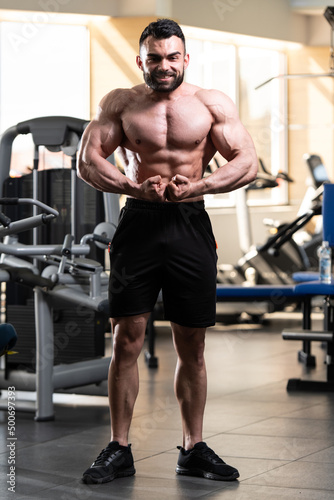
x=161, y=29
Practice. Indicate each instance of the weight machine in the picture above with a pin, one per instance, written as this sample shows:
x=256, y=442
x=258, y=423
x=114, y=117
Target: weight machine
x=60, y=274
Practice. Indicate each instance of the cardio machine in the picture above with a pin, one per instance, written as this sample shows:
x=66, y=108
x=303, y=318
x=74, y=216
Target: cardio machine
x=285, y=252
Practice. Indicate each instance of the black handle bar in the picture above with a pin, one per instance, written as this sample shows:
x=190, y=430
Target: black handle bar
x=101, y=239
x=4, y=220
x=8, y=227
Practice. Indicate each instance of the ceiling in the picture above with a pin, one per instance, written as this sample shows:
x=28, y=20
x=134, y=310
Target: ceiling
x=310, y=7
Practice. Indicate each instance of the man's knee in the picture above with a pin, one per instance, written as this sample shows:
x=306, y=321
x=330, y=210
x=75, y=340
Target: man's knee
x=128, y=337
x=189, y=343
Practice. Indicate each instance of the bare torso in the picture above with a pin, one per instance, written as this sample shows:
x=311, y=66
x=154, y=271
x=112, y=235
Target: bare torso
x=164, y=136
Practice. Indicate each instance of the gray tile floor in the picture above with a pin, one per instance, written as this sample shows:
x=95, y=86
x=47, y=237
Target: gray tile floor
x=282, y=443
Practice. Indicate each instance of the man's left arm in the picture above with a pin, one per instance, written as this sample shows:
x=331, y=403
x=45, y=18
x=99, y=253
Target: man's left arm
x=234, y=143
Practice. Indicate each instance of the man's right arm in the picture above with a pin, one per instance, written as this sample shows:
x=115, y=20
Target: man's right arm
x=100, y=139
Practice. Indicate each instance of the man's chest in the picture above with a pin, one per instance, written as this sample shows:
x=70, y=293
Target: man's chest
x=171, y=126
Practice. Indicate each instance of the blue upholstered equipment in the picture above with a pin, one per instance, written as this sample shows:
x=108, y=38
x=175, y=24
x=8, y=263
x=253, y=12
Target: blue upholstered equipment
x=314, y=288
x=303, y=292
x=328, y=214
x=8, y=338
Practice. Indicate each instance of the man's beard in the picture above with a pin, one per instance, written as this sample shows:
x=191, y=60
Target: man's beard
x=159, y=86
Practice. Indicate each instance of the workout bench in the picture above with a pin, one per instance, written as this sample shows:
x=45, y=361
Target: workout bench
x=279, y=296
x=303, y=293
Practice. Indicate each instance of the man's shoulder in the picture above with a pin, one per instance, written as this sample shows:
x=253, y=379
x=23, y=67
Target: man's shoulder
x=189, y=90
x=118, y=99
x=212, y=96
x=131, y=92
x=217, y=102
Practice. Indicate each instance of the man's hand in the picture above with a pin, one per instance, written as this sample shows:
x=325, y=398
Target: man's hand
x=178, y=188
x=153, y=189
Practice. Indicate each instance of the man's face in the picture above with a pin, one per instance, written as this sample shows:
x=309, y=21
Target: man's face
x=163, y=63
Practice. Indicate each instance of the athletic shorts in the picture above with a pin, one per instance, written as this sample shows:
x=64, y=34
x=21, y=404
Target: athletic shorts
x=168, y=247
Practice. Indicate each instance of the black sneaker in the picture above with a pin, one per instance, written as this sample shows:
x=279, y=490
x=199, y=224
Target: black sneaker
x=201, y=461
x=114, y=461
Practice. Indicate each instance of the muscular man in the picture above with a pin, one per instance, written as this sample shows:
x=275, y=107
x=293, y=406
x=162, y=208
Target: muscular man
x=166, y=131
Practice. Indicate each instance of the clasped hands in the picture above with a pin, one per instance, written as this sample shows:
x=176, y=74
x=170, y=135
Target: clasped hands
x=178, y=188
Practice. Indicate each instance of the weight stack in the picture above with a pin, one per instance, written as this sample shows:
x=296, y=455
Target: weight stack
x=78, y=335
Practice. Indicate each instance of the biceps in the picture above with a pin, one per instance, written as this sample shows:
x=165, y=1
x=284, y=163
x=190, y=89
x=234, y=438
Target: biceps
x=230, y=140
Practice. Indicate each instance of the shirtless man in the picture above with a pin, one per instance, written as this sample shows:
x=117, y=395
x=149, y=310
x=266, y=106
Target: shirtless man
x=167, y=131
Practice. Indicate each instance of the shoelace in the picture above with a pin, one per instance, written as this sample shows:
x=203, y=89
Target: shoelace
x=105, y=453
x=209, y=453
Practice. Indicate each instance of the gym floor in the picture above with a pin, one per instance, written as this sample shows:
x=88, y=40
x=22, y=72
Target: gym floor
x=282, y=443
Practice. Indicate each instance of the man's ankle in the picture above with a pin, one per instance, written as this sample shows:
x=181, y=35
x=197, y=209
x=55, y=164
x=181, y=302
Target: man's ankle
x=120, y=441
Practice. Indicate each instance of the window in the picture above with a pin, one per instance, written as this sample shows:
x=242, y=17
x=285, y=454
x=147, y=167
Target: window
x=43, y=72
x=212, y=65
x=262, y=111
x=237, y=71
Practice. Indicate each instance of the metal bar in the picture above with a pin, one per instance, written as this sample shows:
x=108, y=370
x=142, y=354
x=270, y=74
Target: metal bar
x=24, y=225
x=81, y=373
x=300, y=75
x=20, y=379
x=30, y=250
x=78, y=298
x=309, y=335
x=44, y=356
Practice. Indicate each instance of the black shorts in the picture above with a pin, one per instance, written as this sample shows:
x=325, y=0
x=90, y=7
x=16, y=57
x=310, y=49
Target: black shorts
x=166, y=247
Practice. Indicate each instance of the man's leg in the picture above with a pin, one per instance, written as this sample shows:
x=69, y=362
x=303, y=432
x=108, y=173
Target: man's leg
x=195, y=457
x=190, y=381
x=123, y=380
x=116, y=459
